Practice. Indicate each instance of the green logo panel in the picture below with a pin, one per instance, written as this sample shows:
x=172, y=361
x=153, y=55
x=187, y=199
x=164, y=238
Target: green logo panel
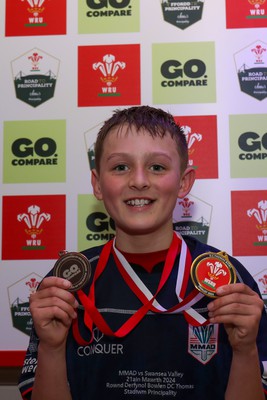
x=34, y=151
x=95, y=227
x=248, y=145
x=183, y=73
x=108, y=16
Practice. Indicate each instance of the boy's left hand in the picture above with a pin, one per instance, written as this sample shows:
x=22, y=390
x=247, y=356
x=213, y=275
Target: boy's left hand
x=239, y=308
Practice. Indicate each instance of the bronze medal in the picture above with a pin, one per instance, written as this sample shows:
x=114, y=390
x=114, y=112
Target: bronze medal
x=74, y=267
x=210, y=271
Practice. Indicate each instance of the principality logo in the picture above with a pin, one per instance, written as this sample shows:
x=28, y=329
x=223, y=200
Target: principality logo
x=33, y=220
x=203, y=342
x=109, y=68
x=35, y=75
x=19, y=294
x=251, y=64
x=182, y=13
x=260, y=215
x=192, y=217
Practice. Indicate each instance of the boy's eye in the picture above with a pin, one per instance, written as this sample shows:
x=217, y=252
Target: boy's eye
x=157, y=168
x=121, y=167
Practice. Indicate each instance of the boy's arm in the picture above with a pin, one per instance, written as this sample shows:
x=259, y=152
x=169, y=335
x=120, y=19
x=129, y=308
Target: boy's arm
x=239, y=308
x=51, y=376
x=245, y=377
x=53, y=309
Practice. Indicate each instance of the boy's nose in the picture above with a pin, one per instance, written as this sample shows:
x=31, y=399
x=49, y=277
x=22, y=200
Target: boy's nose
x=139, y=179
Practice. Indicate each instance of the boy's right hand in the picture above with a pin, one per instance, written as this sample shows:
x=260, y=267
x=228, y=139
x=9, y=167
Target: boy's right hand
x=52, y=308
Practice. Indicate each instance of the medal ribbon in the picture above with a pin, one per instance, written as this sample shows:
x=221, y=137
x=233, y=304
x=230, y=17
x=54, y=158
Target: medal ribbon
x=143, y=293
x=92, y=315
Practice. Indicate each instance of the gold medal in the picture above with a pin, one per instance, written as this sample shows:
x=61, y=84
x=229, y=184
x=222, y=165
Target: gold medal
x=74, y=267
x=210, y=271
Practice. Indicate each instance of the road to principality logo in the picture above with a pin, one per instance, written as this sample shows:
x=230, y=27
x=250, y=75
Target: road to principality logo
x=192, y=217
x=19, y=294
x=35, y=75
x=182, y=13
x=251, y=64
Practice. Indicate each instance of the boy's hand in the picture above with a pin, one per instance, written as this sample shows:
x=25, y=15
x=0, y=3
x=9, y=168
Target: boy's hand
x=239, y=308
x=53, y=309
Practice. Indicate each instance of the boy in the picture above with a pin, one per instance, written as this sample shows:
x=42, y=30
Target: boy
x=139, y=329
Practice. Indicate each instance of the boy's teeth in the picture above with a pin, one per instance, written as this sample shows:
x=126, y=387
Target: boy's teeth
x=138, y=202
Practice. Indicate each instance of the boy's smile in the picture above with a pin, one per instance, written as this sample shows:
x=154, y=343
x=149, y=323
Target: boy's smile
x=139, y=181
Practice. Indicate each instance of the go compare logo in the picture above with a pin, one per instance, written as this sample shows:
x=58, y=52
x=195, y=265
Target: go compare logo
x=34, y=151
x=248, y=145
x=183, y=73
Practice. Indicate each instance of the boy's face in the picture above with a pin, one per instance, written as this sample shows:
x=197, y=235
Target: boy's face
x=139, y=180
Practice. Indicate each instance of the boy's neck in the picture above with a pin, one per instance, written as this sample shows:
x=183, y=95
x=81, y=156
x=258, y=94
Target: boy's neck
x=148, y=243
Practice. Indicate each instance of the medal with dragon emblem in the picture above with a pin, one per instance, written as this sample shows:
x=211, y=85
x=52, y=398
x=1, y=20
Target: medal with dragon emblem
x=210, y=271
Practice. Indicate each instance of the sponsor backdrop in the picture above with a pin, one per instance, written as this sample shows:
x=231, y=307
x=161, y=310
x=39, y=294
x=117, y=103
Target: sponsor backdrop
x=65, y=65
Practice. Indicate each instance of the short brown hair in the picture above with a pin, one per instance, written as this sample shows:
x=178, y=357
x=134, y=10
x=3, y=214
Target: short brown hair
x=154, y=120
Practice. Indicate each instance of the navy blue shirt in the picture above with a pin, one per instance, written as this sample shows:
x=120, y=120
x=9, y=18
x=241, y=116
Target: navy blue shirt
x=162, y=357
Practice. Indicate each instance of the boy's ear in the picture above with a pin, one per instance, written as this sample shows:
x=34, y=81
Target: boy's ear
x=95, y=184
x=187, y=181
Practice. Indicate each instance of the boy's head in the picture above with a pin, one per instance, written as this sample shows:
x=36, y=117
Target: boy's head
x=156, y=121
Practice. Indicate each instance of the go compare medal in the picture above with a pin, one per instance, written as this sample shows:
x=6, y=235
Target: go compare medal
x=210, y=271
x=74, y=267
